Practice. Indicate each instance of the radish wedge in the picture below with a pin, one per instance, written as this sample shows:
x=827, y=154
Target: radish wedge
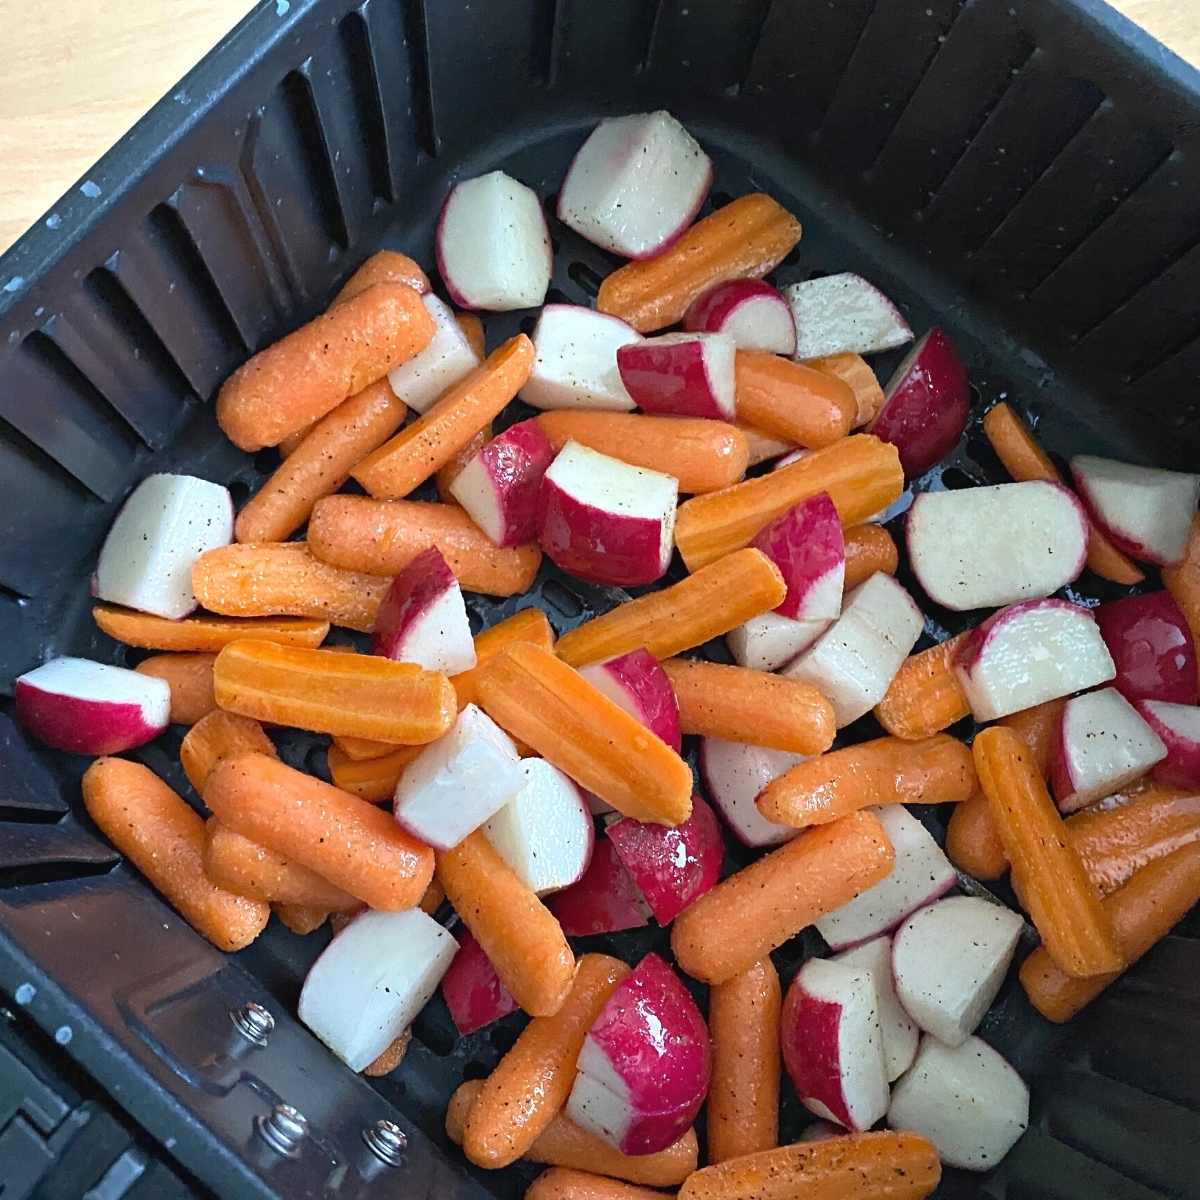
x=605, y=900
x=733, y=775
x=1150, y=642
x=899, y=1031
x=444, y=361
x=770, y=641
x=752, y=312
x=1178, y=725
x=637, y=682
x=472, y=989
x=575, y=360
x=844, y=314
x=807, y=546
x=681, y=375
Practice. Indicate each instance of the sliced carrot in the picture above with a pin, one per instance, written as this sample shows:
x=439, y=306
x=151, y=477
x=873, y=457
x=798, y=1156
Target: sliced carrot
x=715, y=599
x=1038, y=728
x=349, y=842
x=216, y=736
x=541, y=700
x=430, y=442
x=762, y=447
x=359, y=695
x=869, y=549
x=1062, y=902
x=937, y=770
x=308, y=373
x=1183, y=581
x=160, y=834
x=372, y=779
x=1142, y=913
x=755, y=910
x=528, y=625
x=361, y=749
x=391, y=1058
x=972, y=843
x=384, y=266
x=448, y=472
x=702, y=455
x=472, y=328
x=861, y=474
x=744, y=240
x=791, y=401
x=924, y=697
x=208, y=634
x=560, y=1183
x=190, y=677
x=740, y=705
x=1024, y=459
x=854, y=371
x=531, y=1083
x=301, y=919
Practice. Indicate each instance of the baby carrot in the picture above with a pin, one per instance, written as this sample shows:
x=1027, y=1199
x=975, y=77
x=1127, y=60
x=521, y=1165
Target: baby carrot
x=384, y=266
x=924, y=697
x=746, y=239
x=758, y=908
x=1038, y=728
x=372, y=779
x=703, y=455
x=760, y=446
x=972, y=843
x=391, y=1058
x=304, y=375
x=743, y=1099
x=1062, y=902
x=207, y=634
x=860, y=473
x=1183, y=581
x=531, y=1083
x=715, y=599
x=854, y=371
x=938, y=770
x=740, y=705
x=216, y=736
x=161, y=835
x=349, y=842
x=301, y=919
x=792, y=401
x=381, y=537
x=869, y=548
x=360, y=695
x=360, y=749
x=472, y=328
x=190, y=677
x=559, y=1183
x=526, y=625
x=435, y=894
x=448, y=472
x=416, y=453
x=545, y=703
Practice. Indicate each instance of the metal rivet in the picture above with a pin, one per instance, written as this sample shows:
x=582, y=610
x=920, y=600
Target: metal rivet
x=253, y=1022
x=387, y=1141
x=283, y=1128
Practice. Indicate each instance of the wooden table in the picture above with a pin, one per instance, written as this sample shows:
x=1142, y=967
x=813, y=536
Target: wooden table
x=74, y=76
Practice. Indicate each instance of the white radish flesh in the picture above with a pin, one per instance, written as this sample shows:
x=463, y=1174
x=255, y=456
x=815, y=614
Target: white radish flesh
x=446, y=360
x=734, y=774
x=575, y=360
x=770, y=641
x=1179, y=727
x=844, y=314
x=899, y=1031
x=752, y=312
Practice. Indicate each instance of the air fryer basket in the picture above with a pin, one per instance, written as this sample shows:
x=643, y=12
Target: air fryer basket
x=1023, y=172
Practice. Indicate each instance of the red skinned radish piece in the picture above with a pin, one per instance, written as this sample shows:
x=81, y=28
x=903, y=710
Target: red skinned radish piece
x=472, y=989
x=899, y=1030
x=605, y=900
x=770, y=641
x=844, y=314
x=637, y=682
x=446, y=360
x=734, y=774
x=750, y=311
x=87, y=707
x=1151, y=644
x=807, y=546
x=575, y=360
x=681, y=375
x=1178, y=725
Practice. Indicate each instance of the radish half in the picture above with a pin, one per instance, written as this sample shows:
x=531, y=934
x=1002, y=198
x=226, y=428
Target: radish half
x=681, y=374
x=445, y=360
x=472, y=989
x=733, y=775
x=807, y=546
x=750, y=311
x=637, y=683
x=1152, y=647
x=844, y=314
x=768, y=642
x=899, y=1031
x=1178, y=725
x=575, y=360
x=605, y=900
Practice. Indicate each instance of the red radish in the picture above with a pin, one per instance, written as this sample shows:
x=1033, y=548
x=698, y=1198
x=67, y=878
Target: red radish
x=844, y=314
x=681, y=374
x=1145, y=511
x=370, y=982
x=807, y=546
x=1030, y=653
x=925, y=404
x=1178, y=725
x=423, y=618
x=1103, y=744
x=768, y=642
x=605, y=900
x=575, y=360
x=640, y=686
x=167, y=522
x=545, y=831
x=499, y=486
x=966, y=1100
x=605, y=521
x=672, y=866
x=634, y=186
x=644, y=1068
x=88, y=707
x=920, y=875
x=752, y=312
x=1149, y=640
x=456, y=783
x=949, y=960
x=899, y=1031
x=447, y=358
x=733, y=775
x=472, y=989
x=854, y=660
x=832, y=1043
x=493, y=247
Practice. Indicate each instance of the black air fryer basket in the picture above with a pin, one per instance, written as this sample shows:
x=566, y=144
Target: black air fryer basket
x=1023, y=172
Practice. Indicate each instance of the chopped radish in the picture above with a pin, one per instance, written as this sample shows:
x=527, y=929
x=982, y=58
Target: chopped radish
x=681, y=374
x=370, y=982
x=1145, y=511
x=472, y=989
x=966, y=1100
x=637, y=683
x=987, y=546
x=769, y=642
x=733, y=775
x=832, y=1044
x=90, y=708
x=605, y=521
x=605, y=900
x=1103, y=744
x=752, y=312
x=1178, y=725
x=1030, y=653
x=423, y=618
x=807, y=546
x=165, y=525
x=644, y=1067
x=899, y=1031
x=575, y=360
x=634, y=186
x=447, y=358
x=1151, y=644
x=844, y=314
x=493, y=247
x=456, y=783
x=949, y=960
x=793, y=456
x=500, y=485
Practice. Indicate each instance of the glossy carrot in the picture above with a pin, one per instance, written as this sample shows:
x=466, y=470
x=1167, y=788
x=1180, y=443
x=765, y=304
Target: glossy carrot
x=360, y=749
x=760, y=446
x=207, y=634
x=216, y=736
x=924, y=697
x=746, y=239
x=560, y=1183
x=1183, y=581
x=432, y=900
x=854, y=371
x=972, y=843
x=869, y=549
x=391, y=1058
x=384, y=266
x=792, y=401
x=160, y=834
x=1038, y=728
x=372, y=779
x=472, y=328
x=190, y=677
x=301, y=919
x=528, y=625
x=448, y=472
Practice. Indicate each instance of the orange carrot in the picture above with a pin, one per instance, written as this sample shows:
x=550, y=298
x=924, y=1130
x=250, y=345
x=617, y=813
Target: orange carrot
x=869, y=549
x=361, y=749
x=208, y=634
x=1038, y=728
x=972, y=843
x=448, y=472
x=740, y=705
x=1062, y=902
x=190, y=677
x=532, y=1081
x=360, y=695
x=527, y=625
x=758, y=908
x=416, y=453
x=391, y=1058
x=924, y=697
x=472, y=328
x=435, y=894
x=349, y=842
x=744, y=240
x=762, y=447
x=216, y=736
x=538, y=698
x=1183, y=581
x=372, y=779
x=792, y=401
x=854, y=371
x=559, y=1183
x=384, y=266
x=160, y=834
x=301, y=919
x=860, y=473
x=715, y=599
